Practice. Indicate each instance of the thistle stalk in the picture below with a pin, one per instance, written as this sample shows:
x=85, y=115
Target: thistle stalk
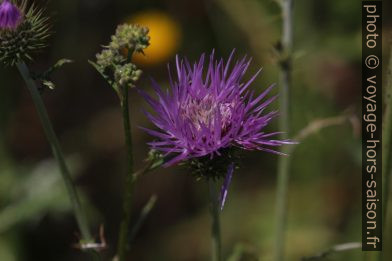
x=284, y=162
x=57, y=152
x=115, y=65
x=129, y=180
x=215, y=226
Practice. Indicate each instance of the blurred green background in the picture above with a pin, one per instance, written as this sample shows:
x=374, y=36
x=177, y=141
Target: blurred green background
x=36, y=222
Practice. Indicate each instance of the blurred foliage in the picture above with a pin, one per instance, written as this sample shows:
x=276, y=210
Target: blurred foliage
x=325, y=192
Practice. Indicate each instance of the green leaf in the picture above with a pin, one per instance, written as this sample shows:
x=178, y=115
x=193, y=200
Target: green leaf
x=48, y=84
x=55, y=67
x=44, y=77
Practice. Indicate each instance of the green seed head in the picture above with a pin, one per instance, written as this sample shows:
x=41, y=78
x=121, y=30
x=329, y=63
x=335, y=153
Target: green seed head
x=130, y=37
x=114, y=62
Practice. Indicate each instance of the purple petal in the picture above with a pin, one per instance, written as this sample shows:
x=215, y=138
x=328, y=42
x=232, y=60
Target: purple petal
x=10, y=15
x=226, y=184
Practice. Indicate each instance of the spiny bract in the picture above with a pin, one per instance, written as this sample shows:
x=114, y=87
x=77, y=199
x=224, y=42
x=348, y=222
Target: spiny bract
x=18, y=43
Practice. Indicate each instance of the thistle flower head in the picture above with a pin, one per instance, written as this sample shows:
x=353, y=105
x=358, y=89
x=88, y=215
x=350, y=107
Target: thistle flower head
x=209, y=112
x=10, y=15
x=23, y=31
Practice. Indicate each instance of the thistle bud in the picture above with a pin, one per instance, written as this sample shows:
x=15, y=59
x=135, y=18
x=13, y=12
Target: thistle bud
x=10, y=16
x=23, y=31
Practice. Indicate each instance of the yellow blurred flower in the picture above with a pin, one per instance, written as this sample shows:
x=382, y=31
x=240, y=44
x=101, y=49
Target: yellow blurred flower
x=165, y=37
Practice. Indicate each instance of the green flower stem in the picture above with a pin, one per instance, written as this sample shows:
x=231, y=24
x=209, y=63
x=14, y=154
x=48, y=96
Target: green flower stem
x=215, y=227
x=56, y=149
x=281, y=207
x=129, y=180
x=284, y=162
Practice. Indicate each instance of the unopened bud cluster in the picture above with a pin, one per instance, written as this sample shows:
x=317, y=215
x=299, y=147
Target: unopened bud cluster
x=131, y=37
x=126, y=74
x=114, y=62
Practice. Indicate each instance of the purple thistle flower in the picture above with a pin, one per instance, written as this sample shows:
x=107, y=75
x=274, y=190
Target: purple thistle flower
x=10, y=15
x=207, y=111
